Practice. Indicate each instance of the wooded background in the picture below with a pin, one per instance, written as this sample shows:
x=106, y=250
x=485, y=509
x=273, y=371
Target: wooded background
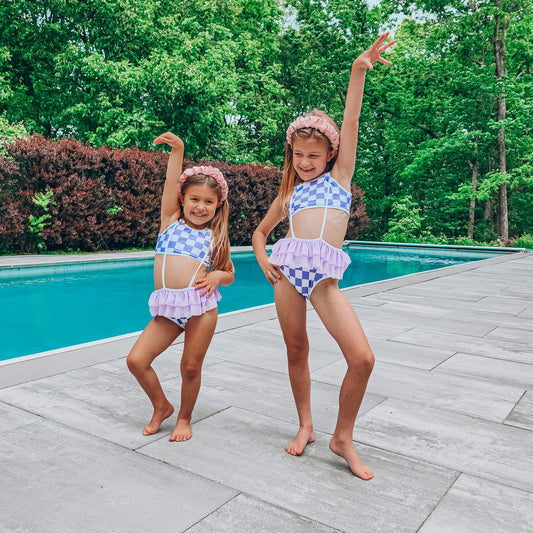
x=445, y=148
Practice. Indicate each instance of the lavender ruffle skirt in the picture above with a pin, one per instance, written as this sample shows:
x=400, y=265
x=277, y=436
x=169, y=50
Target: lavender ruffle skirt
x=181, y=303
x=309, y=254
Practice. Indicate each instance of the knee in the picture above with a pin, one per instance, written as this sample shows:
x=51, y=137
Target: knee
x=297, y=351
x=190, y=371
x=363, y=363
x=135, y=365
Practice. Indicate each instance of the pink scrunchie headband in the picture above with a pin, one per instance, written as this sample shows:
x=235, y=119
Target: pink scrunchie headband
x=207, y=171
x=317, y=123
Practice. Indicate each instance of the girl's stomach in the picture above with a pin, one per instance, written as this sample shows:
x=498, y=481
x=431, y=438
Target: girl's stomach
x=307, y=224
x=180, y=271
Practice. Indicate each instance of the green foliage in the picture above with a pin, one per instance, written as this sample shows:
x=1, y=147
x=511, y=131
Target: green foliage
x=525, y=241
x=10, y=132
x=36, y=224
x=405, y=223
x=115, y=210
x=118, y=73
x=434, y=120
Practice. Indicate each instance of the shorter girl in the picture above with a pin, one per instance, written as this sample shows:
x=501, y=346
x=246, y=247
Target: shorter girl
x=192, y=259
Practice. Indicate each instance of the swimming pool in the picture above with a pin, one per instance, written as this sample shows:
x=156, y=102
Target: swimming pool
x=50, y=307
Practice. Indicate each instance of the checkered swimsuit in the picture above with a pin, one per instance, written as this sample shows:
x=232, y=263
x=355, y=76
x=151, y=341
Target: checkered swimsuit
x=323, y=192
x=180, y=239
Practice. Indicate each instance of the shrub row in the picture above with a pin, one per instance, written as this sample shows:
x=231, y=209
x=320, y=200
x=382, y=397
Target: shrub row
x=108, y=199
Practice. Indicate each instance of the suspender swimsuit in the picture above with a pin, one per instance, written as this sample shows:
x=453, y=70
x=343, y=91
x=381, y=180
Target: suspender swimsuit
x=179, y=305
x=305, y=262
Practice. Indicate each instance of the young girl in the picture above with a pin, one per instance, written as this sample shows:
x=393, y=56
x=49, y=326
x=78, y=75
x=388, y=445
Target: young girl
x=192, y=259
x=307, y=264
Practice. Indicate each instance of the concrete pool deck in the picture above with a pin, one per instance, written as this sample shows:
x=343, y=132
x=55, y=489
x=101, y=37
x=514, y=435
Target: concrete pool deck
x=446, y=423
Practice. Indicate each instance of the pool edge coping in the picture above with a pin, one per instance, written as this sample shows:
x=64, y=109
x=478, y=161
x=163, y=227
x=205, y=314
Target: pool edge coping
x=35, y=260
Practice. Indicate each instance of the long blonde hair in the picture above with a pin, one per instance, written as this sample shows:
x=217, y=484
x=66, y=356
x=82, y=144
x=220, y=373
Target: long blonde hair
x=221, y=254
x=289, y=178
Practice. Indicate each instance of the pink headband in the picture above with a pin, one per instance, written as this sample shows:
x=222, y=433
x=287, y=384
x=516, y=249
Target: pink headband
x=207, y=171
x=317, y=123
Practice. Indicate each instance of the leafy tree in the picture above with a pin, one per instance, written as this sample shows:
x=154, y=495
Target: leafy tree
x=405, y=223
x=471, y=108
x=119, y=72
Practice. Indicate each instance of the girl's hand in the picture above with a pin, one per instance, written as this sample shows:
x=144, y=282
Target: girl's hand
x=272, y=273
x=367, y=59
x=208, y=283
x=170, y=138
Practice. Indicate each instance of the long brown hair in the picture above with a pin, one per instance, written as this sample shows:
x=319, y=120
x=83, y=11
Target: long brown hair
x=289, y=178
x=221, y=254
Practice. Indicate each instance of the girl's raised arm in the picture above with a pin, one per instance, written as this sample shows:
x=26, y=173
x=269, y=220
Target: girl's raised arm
x=170, y=207
x=345, y=164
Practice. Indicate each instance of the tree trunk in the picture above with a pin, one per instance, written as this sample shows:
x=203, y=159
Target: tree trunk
x=501, y=24
x=475, y=174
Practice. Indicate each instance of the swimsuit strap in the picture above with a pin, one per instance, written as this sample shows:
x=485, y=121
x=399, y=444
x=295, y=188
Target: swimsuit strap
x=163, y=269
x=290, y=221
x=198, y=269
x=330, y=192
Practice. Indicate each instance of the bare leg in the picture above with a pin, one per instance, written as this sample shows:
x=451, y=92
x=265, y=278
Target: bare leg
x=158, y=335
x=198, y=335
x=291, y=308
x=342, y=323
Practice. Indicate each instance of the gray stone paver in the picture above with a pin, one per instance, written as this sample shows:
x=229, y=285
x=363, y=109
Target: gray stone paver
x=80, y=399
x=399, y=353
x=244, y=513
x=239, y=448
x=452, y=440
x=518, y=374
x=470, y=344
x=522, y=415
x=56, y=479
x=446, y=424
x=476, y=505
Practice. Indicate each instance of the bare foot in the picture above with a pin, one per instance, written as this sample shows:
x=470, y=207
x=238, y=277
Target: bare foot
x=302, y=439
x=158, y=417
x=182, y=431
x=348, y=453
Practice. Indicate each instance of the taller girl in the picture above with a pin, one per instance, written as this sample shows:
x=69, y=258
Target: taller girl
x=307, y=264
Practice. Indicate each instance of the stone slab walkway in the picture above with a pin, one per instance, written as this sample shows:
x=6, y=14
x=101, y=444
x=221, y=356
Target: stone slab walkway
x=446, y=424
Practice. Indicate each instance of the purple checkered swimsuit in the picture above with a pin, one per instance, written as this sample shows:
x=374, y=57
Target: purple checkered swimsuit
x=179, y=305
x=305, y=262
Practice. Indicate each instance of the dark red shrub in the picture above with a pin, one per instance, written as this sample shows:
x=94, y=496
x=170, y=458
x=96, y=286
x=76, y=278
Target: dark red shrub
x=106, y=199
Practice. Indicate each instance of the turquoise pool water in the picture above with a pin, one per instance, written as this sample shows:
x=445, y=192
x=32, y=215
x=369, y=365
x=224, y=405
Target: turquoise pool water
x=47, y=308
